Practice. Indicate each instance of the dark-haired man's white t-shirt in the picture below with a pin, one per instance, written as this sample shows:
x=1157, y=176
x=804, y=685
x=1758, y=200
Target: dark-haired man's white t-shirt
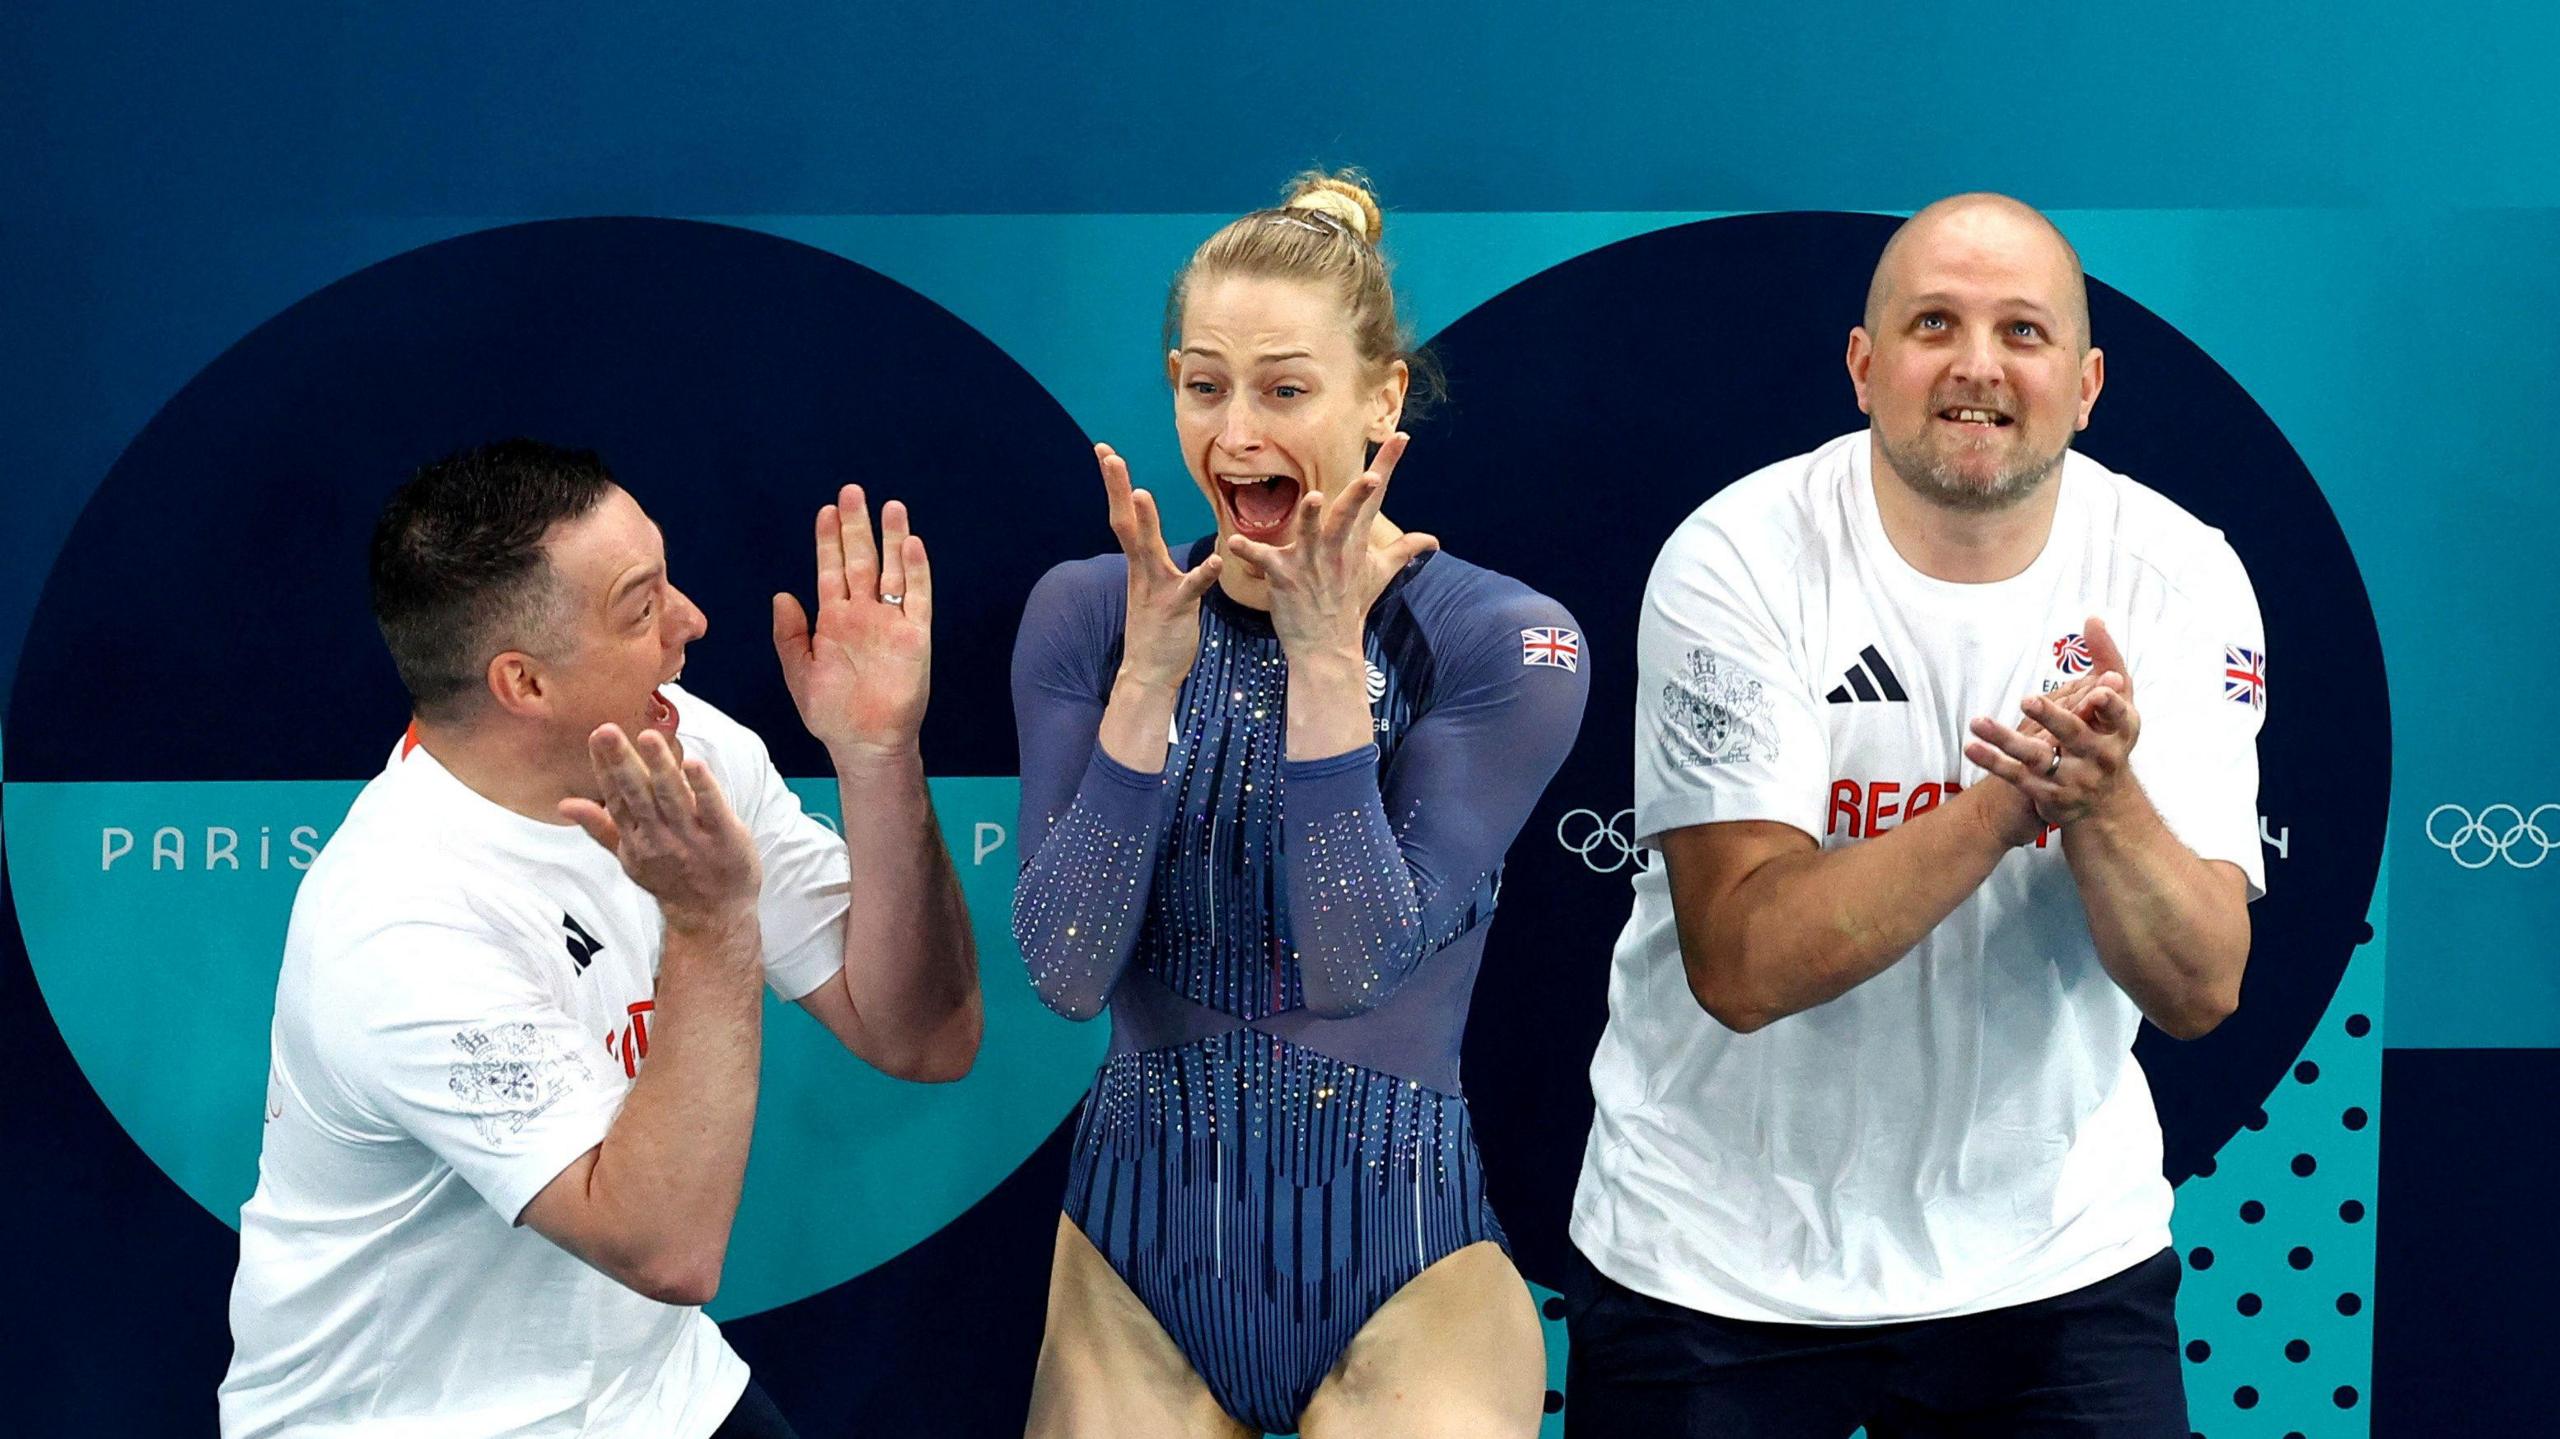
x=1967, y=1130
x=464, y=1004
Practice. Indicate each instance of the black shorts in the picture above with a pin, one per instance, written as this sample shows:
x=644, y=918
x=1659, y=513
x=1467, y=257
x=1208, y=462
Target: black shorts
x=755, y=1418
x=2096, y=1363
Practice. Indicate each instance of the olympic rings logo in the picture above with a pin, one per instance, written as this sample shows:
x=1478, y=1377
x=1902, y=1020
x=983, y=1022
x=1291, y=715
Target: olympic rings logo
x=1603, y=844
x=2499, y=832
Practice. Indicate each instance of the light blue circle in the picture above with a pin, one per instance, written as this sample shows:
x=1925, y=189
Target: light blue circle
x=154, y=919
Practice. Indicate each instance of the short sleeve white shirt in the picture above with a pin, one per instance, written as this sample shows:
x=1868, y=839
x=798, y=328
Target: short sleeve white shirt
x=1967, y=1130
x=464, y=1003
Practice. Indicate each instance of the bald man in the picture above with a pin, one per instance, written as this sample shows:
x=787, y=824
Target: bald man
x=1946, y=755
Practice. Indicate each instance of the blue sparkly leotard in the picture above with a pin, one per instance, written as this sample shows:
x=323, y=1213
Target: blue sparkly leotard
x=1276, y=1143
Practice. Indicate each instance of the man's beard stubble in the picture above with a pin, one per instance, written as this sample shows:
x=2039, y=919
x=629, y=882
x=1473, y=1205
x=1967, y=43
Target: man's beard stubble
x=1941, y=483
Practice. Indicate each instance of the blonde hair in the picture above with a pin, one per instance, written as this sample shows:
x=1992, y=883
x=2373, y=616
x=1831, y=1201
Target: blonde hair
x=1325, y=231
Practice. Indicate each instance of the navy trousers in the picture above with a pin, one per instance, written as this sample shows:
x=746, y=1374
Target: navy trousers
x=2097, y=1363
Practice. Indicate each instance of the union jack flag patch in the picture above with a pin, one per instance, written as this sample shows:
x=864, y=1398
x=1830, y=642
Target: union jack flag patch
x=2244, y=677
x=1551, y=646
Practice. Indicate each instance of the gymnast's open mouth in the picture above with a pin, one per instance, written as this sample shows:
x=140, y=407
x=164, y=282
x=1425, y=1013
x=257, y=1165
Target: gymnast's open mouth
x=1261, y=504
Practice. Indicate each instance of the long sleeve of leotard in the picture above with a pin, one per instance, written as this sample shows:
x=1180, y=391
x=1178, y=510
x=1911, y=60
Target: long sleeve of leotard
x=1089, y=827
x=1380, y=872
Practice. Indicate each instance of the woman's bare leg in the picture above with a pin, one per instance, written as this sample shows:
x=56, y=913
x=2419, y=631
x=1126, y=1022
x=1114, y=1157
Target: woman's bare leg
x=1107, y=1368
x=1455, y=1354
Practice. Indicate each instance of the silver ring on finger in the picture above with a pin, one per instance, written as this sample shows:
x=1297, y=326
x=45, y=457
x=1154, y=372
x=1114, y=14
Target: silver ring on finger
x=893, y=599
x=2054, y=763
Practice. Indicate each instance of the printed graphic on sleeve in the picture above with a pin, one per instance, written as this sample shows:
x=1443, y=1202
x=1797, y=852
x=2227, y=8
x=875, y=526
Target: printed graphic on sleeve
x=1716, y=713
x=1547, y=645
x=508, y=1075
x=2244, y=677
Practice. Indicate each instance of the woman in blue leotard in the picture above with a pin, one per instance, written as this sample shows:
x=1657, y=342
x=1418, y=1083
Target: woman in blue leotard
x=1266, y=791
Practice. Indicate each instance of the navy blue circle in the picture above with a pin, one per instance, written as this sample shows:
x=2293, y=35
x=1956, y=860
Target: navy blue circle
x=2352, y=1211
x=2345, y=1397
x=2199, y=1258
x=2299, y=1257
x=2306, y=1072
x=2304, y=1164
x=2297, y=1350
x=1595, y=404
x=2198, y=1351
x=2252, y=1212
x=730, y=378
x=1554, y=1402
x=2256, y=1121
x=2359, y=1026
x=2350, y=1304
x=2245, y=1397
x=2249, y=1305
x=2355, y=1118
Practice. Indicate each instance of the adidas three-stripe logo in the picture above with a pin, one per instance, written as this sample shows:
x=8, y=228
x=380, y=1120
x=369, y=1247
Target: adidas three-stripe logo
x=1869, y=679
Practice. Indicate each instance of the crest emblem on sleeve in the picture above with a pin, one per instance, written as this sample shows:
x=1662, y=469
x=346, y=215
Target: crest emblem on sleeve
x=1715, y=712
x=508, y=1075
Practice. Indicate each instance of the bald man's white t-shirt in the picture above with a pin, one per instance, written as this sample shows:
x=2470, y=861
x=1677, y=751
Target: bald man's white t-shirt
x=465, y=1001
x=1968, y=1129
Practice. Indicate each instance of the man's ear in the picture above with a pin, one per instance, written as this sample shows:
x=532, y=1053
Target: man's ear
x=518, y=686
x=1862, y=355
x=2093, y=378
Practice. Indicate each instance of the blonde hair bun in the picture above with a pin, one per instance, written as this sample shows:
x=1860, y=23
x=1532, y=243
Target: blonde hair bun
x=1324, y=233
x=1344, y=195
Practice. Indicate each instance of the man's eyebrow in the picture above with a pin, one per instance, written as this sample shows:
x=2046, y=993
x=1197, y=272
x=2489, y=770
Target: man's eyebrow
x=633, y=581
x=1937, y=300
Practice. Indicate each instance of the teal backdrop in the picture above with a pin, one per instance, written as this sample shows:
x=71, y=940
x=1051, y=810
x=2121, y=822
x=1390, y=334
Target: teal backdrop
x=2350, y=210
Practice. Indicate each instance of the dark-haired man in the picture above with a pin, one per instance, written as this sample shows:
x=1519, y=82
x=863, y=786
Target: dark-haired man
x=514, y=1062
x=1871, y=1145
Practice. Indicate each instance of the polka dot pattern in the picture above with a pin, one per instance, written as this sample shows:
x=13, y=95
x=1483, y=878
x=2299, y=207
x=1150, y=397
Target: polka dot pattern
x=2279, y=1256
x=2278, y=1239
x=1551, y=1329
